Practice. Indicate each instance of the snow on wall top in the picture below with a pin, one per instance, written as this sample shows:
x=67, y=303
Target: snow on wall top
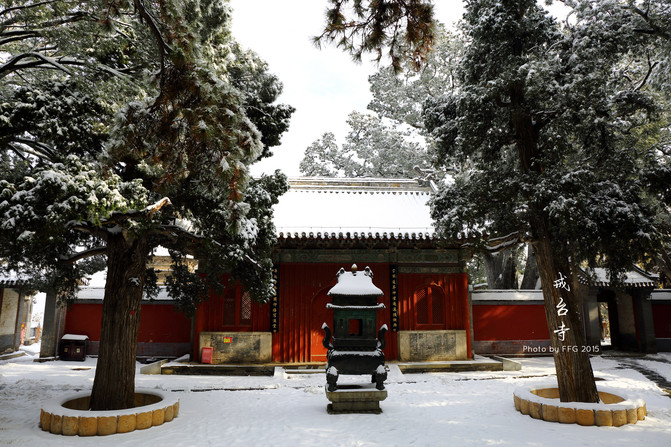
x=331, y=205
x=633, y=278
x=506, y=295
x=12, y=278
x=355, y=283
x=95, y=289
x=75, y=337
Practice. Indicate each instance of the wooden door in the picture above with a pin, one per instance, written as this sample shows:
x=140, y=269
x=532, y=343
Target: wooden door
x=320, y=315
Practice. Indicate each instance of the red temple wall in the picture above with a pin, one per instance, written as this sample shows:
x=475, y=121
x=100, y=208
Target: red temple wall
x=661, y=313
x=163, y=332
x=509, y=322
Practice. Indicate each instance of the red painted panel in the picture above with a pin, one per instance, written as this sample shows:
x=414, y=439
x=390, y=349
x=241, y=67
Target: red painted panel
x=661, y=316
x=159, y=323
x=84, y=319
x=299, y=325
x=455, y=288
x=163, y=324
x=209, y=316
x=510, y=322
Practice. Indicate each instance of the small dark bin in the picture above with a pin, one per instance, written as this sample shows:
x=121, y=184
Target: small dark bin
x=73, y=347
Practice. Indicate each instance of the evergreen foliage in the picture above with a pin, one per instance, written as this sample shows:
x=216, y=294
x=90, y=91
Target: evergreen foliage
x=556, y=136
x=404, y=27
x=371, y=149
x=392, y=141
x=125, y=126
x=585, y=162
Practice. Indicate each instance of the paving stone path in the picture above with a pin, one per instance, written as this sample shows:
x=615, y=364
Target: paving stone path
x=652, y=375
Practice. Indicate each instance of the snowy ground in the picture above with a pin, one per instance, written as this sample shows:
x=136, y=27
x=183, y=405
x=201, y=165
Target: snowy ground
x=446, y=409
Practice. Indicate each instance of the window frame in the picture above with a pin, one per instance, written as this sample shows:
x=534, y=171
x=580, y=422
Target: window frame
x=430, y=296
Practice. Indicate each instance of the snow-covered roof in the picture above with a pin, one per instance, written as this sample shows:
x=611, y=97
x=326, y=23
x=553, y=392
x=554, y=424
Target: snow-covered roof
x=75, y=337
x=355, y=283
x=330, y=206
x=98, y=293
x=524, y=295
x=661, y=295
x=12, y=279
x=635, y=278
x=95, y=288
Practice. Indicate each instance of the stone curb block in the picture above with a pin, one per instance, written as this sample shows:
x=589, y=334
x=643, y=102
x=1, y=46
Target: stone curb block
x=550, y=413
x=626, y=412
x=566, y=415
x=144, y=420
x=584, y=417
x=70, y=425
x=88, y=426
x=604, y=418
x=57, y=419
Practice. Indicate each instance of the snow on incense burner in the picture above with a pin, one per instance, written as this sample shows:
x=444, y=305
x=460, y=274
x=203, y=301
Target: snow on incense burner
x=355, y=348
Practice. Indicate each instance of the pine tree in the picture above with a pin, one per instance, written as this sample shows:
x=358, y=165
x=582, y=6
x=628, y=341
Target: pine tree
x=552, y=144
x=371, y=149
x=546, y=121
x=167, y=163
x=391, y=139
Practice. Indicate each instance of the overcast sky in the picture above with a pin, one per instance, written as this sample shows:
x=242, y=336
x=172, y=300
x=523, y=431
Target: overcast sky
x=323, y=85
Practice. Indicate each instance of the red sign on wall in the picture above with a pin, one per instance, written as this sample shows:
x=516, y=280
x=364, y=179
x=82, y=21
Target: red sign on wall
x=206, y=355
x=228, y=339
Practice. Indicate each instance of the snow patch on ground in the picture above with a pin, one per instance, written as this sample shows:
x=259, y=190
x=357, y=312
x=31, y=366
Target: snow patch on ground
x=437, y=409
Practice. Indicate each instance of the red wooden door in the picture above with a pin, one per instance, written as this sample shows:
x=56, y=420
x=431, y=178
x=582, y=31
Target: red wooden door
x=320, y=315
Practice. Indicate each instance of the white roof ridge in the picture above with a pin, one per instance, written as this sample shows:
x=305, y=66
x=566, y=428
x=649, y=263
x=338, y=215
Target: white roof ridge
x=358, y=184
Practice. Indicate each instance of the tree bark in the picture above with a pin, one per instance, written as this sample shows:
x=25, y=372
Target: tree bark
x=562, y=306
x=530, y=277
x=664, y=265
x=114, y=382
x=563, y=311
x=501, y=269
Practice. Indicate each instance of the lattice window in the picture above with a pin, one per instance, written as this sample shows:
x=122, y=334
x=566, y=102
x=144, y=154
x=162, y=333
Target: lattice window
x=229, y=307
x=237, y=309
x=422, y=306
x=245, y=309
x=437, y=305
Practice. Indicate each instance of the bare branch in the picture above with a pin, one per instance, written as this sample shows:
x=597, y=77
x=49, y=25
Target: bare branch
x=34, y=5
x=41, y=61
x=14, y=63
x=651, y=66
x=145, y=15
x=32, y=147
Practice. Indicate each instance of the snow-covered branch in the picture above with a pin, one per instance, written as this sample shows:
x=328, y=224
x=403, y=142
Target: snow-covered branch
x=146, y=16
x=34, y=59
x=85, y=254
x=497, y=244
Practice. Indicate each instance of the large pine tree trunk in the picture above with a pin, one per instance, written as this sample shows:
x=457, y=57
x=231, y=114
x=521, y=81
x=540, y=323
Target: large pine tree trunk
x=562, y=306
x=563, y=311
x=530, y=277
x=501, y=269
x=114, y=383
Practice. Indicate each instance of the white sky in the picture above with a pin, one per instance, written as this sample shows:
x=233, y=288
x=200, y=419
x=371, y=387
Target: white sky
x=323, y=85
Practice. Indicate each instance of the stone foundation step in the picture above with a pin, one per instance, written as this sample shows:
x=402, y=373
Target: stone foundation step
x=479, y=363
x=198, y=369
x=12, y=355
